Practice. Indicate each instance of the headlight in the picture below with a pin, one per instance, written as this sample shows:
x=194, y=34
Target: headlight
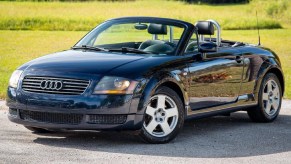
x=115, y=85
x=13, y=82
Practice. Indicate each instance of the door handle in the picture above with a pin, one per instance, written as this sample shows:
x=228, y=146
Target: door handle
x=239, y=59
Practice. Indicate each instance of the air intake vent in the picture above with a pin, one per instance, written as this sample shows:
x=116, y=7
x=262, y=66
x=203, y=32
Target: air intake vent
x=54, y=85
x=13, y=111
x=56, y=118
x=107, y=119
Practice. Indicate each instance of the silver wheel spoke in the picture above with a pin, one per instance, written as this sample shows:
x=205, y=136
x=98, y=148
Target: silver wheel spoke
x=166, y=128
x=269, y=86
x=161, y=101
x=268, y=107
x=272, y=98
x=158, y=111
x=275, y=104
x=151, y=126
x=265, y=96
x=172, y=112
x=150, y=111
x=276, y=92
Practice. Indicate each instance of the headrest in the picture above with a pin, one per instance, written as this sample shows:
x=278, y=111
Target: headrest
x=157, y=29
x=205, y=27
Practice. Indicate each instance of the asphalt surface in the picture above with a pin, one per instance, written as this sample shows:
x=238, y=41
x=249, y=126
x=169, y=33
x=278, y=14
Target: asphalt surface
x=220, y=139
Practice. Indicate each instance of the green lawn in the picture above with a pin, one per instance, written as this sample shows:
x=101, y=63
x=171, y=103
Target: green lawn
x=85, y=15
x=61, y=24
x=19, y=47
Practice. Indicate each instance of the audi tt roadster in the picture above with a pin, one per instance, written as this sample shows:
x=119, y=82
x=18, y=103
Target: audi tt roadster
x=146, y=75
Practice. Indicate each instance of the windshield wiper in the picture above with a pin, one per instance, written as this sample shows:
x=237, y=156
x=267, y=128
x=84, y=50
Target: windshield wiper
x=127, y=49
x=90, y=48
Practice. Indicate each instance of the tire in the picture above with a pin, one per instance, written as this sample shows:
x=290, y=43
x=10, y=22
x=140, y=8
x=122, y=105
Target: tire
x=163, y=118
x=37, y=130
x=269, y=100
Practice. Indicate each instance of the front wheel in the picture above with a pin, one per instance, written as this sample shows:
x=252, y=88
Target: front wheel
x=164, y=117
x=270, y=99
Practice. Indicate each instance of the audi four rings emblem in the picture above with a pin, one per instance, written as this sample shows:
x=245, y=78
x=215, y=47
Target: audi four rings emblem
x=51, y=84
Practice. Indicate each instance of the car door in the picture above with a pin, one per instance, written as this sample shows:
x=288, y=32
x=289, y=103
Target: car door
x=214, y=78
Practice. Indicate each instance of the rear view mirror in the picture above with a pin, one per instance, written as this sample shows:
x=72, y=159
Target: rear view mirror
x=140, y=26
x=208, y=47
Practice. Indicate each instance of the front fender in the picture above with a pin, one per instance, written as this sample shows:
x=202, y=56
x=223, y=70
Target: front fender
x=140, y=100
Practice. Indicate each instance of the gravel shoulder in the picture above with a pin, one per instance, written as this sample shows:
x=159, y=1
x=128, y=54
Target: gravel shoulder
x=220, y=139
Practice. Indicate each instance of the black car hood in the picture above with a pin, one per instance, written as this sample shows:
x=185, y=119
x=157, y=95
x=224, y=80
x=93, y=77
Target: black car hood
x=77, y=61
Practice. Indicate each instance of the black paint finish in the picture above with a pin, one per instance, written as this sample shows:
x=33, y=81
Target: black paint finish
x=207, y=83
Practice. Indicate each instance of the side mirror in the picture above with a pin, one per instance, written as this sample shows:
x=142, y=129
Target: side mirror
x=208, y=47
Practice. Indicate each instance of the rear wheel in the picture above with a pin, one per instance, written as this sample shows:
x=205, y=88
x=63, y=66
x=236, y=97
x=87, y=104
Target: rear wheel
x=270, y=99
x=164, y=117
x=37, y=130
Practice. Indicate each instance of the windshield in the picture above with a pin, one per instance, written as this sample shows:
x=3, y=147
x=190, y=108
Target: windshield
x=133, y=37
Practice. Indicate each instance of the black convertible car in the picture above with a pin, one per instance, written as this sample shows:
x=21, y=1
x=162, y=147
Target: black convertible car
x=149, y=75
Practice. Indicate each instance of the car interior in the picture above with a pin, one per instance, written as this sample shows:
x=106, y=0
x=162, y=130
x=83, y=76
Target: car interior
x=204, y=28
x=166, y=46
x=155, y=45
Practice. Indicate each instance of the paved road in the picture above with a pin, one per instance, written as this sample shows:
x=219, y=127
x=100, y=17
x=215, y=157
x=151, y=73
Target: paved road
x=213, y=140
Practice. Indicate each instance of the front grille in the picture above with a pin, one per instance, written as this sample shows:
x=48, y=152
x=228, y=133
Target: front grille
x=56, y=118
x=107, y=119
x=69, y=86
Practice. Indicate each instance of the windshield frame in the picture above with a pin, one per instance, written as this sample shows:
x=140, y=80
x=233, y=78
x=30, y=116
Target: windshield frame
x=187, y=29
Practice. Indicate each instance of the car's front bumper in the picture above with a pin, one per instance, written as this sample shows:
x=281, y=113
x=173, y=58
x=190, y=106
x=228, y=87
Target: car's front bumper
x=82, y=112
x=132, y=122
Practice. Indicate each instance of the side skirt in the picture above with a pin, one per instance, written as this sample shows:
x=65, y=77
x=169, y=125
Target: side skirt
x=243, y=102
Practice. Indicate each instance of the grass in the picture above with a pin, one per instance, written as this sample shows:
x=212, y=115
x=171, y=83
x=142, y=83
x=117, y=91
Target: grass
x=22, y=46
x=79, y=16
x=64, y=23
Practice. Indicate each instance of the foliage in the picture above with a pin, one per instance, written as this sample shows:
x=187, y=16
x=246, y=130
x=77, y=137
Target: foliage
x=48, y=24
x=77, y=16
x=215, y=1
x=53, y=24
x=69, y=0
x=275, y=8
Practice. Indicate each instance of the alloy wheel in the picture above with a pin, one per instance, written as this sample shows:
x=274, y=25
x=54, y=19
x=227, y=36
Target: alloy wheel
x=161, y=116
x=271, y=97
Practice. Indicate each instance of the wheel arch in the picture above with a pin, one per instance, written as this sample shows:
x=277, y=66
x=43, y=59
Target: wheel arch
x=269, y=67
x=280, y=76
x=154, y=83
x=175, y=87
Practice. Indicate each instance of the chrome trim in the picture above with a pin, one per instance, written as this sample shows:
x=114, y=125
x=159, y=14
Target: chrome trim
x=54, y=85
x=218, y=38
x=51, y=84
x=243, y=97
x=171, y=34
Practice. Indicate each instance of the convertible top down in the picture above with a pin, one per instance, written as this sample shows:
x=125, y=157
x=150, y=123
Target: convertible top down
x=148, y=75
